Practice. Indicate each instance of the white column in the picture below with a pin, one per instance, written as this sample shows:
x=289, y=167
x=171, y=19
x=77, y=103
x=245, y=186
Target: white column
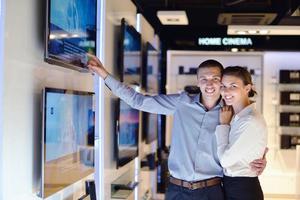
x=1, y=87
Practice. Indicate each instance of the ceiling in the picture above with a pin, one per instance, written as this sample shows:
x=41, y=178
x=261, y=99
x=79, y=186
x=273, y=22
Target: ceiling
x=203, y=17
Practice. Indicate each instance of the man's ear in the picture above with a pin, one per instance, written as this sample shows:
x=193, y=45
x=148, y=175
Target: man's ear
x=248, y=87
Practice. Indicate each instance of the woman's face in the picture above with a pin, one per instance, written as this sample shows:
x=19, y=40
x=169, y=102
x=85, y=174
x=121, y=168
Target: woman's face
x=233, y=90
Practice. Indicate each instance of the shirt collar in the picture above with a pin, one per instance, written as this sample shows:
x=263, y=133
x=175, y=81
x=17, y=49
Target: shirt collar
x=196, y=99
x=245, y=111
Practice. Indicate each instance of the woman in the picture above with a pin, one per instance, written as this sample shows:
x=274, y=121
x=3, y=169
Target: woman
x=241, y=137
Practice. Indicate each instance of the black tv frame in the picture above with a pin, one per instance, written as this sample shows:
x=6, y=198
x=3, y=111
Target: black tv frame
x=56, y=61
x=122, y=162
x=121, y=68
x=41, y=192
x=121, y=47
x=145, y=115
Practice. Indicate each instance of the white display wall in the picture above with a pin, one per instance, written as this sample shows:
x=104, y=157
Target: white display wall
x=115, y=11
x=1, y=88
x=25, y=74
x=281, y=178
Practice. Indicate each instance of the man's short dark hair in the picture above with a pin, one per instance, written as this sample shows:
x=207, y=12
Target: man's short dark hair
x=211, y=63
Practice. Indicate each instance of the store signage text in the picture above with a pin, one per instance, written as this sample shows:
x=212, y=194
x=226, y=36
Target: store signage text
x=225, y=41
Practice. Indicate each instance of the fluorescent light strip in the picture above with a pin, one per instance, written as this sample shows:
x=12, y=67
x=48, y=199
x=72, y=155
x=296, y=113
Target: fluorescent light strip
x=263, y=30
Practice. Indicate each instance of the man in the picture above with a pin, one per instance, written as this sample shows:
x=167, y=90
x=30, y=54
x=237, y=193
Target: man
x=193, y=163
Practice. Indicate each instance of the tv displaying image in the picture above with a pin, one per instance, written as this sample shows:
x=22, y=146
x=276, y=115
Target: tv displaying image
x=130, y=54
x=68, y=138
x=70, y=32
x=127, y=133
x=151, y=77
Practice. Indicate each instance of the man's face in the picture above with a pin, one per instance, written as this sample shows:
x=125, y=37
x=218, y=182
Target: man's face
x=209, y=81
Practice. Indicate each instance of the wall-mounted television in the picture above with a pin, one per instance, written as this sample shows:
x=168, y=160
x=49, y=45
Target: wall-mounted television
x=68, y=139
x=127, y=133
x=128, y=120
x=130, y=58
x=151, y=77
x=70, y=32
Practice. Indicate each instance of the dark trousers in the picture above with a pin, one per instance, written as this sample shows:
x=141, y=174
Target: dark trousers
x=175, y=192
x=242, y=188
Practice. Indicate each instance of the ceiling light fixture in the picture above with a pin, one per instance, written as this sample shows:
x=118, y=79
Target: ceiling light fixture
x=173, y=17
x=263, y=30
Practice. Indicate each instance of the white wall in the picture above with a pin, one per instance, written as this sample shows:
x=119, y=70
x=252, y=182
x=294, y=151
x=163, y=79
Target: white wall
x=25, y=74
x=282, y=173
x=148, y=179
x=281, y=177
x=1, y=88
x=115, y=11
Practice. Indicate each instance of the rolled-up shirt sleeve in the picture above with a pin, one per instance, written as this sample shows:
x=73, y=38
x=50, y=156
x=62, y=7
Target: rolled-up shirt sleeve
x=248, y=145
x=158, y=104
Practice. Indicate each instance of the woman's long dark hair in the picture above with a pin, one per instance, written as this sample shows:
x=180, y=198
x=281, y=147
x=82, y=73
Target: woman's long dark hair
x=241, y=73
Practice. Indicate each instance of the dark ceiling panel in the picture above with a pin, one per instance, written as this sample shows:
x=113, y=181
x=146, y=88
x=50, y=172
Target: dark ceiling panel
x=203, y=15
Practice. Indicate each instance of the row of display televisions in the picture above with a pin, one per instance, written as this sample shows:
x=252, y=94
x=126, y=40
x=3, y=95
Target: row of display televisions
x=290, y=119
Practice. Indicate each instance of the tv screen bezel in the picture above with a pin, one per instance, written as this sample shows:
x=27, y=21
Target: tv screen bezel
x=117, y=133
x=59, y=62
x=145, y=115
x=121, y=51
x=43, y=139
x=121, y=67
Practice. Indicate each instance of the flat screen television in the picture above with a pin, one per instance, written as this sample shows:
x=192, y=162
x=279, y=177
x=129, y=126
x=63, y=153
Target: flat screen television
x=130, y=58
x=68, y=138
x=128, y=120
x=127, y=133
x=151, y=77
x=70, y=32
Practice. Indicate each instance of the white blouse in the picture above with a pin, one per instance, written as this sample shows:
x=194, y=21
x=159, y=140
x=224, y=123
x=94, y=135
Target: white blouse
x=241, y=142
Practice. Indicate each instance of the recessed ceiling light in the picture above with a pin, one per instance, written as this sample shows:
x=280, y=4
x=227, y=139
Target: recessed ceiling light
x=241, y=32
x=263, y=32
x=252, y=31
x=172, y=17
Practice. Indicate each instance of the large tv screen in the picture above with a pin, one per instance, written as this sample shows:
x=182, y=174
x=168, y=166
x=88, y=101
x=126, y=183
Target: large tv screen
x=70, y=32
x=68, y=138
x=130, y=54
x=127, y=133
x=151, y=77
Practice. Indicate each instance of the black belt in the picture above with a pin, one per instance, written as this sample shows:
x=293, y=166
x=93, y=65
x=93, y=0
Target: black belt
x=197, y=184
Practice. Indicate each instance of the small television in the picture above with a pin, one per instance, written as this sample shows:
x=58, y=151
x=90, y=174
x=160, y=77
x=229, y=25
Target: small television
x=151, y=77
x=70, y=32
x=67, y=140
x=130, y=58
x=127, y=133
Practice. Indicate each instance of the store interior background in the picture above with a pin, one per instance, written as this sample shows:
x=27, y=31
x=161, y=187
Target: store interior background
x=23, y=75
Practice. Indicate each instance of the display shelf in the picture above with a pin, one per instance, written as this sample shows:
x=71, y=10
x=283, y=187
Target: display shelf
x=287, y=105
x=121, y=194
x=123, y=187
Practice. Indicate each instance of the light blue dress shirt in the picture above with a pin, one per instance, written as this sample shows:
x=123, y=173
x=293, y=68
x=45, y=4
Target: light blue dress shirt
x=193, y=153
